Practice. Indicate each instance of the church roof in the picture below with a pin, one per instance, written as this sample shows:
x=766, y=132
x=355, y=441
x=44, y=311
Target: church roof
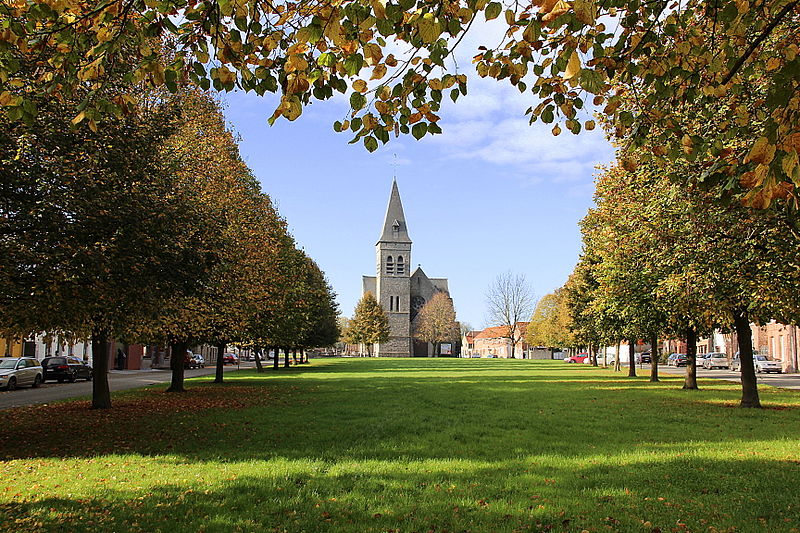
x=394, y=226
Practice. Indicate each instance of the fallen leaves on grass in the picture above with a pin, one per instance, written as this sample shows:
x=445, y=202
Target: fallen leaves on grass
x=136, y=423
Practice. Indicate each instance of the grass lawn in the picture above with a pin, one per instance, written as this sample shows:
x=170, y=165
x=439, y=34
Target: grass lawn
x=410, y=445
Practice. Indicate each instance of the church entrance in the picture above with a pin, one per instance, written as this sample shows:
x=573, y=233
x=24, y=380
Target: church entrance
x=420, y=348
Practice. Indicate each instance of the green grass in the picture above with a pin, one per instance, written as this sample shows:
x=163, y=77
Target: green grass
x=411, y=445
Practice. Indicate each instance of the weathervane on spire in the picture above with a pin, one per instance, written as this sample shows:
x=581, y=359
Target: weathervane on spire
x=394, y=167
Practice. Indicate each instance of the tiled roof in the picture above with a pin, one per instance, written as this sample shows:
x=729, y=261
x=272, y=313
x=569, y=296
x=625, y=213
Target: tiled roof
x=497, y=332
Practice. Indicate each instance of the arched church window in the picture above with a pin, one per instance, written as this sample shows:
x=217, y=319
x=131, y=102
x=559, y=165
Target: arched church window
x=390, y=265
x=400, y=265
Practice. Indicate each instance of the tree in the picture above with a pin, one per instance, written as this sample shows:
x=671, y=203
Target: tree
x=676, y=260
x=510, y=300
x=436, y=322
x=682, y=57
x=550, y=324
x=369, y=324
x=89, y=226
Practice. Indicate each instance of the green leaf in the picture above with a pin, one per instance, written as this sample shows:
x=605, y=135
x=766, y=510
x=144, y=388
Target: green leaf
x=353, y=64
x=493, y=10
x=419, y=130
x=326, y=60
x=370, y=143
x=357, y=101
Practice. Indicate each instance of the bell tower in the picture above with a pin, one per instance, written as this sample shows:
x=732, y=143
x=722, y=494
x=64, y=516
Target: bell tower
x=393, y=280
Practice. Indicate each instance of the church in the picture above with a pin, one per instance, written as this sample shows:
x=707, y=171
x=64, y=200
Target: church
x=401, y=292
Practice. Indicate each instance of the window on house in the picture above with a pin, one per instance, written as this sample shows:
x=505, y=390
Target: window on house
x=390, y=265
x=396, y=303
x=400, y=265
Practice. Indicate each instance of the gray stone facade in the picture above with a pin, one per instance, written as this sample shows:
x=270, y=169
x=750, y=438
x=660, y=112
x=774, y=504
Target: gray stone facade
x=400, y=292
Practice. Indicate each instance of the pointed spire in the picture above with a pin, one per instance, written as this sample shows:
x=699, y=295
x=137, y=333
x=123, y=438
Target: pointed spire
x=394, y=225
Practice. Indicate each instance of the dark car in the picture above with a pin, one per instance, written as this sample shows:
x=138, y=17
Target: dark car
x=645, y=358
x=680, y=360
x=65, y=368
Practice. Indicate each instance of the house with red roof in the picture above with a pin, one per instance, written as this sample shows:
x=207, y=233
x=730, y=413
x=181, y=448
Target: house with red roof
x=496, y=342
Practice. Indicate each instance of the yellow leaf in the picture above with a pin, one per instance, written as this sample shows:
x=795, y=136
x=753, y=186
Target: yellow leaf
x=773, y=63
x=762, y=152
x=585, y=11
x=556, y=130
x=559, y=9
x=789, y=164
x=589, y=125
x=8, y=99
x=93, y=125
x=688, y=145
x=78, y=118
x=573, y=66
x=378, y=72
x=379, y=8
x=360, y=86
x=429, y=28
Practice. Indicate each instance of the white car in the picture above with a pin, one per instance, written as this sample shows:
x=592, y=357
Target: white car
x=15, y=372
x=765, y=365
x=715, y=360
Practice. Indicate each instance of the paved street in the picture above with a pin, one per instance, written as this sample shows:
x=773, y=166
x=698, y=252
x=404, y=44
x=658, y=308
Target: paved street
x=786, y=381
x=117, y=380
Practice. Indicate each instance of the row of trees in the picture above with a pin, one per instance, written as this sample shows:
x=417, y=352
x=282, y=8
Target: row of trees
x=150, y=229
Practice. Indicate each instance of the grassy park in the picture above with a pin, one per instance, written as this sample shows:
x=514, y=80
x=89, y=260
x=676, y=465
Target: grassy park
x=411, y=445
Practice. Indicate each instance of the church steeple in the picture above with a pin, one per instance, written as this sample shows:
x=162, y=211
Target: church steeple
x=394, y=225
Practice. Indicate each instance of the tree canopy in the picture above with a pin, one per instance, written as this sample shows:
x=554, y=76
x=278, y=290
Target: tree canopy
x=638, y=63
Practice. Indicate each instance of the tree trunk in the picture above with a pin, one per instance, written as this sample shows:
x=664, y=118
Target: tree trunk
x=631, y=358
x=220, y=353
x=286, y=362
x=748, y=371
x=101, y=395
x=654, y=356
x=605, y=356
x=617, y=363
x=294, y=356
x=595, y=349
x=691, y=360
x=176, y=364
x=276, y=360
x=258, y=351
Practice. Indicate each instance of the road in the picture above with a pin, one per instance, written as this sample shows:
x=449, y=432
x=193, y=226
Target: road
x=117, y=380
x=786, y=381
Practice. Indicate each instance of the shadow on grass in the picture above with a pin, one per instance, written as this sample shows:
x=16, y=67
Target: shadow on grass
x=684, y=493
x=354, y=409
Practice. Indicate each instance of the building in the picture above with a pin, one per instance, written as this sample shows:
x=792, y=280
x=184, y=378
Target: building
x=400, y=292
x=496, y=342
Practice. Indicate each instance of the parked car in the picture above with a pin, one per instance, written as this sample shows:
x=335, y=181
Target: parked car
x=199, y=360
x=18, y=371
x=677, y=359
x=188, y=360
x=715, y=360
x=65, y=368
x=765, y=364
x=580, y=358
x=230, y=359
x=645, y=358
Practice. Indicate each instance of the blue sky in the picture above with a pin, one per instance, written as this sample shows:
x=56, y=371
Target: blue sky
x=490, y=194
